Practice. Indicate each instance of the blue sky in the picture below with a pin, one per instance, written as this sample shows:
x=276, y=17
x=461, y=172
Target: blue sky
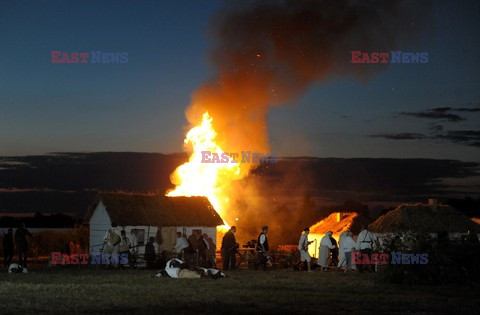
x=139, y=106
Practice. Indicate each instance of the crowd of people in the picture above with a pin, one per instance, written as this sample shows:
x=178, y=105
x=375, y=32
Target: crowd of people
x=200, y=250
x=331, y=252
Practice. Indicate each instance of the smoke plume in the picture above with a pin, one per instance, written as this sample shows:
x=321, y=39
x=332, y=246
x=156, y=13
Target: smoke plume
x=267, y=53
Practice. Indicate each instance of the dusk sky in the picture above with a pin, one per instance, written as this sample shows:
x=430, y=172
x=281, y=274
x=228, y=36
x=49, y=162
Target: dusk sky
x=409, y=110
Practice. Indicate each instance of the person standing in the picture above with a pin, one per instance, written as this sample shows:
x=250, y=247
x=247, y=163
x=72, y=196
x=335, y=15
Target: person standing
x=202, y=248
x=211, y=249
x=8, y=248
x=334, y=251
x=262, y=249
x=22, y=244
x=181, y=245
x=348, y=247
x=303, y=248
x=342, y=261
x=111, y=244
x=134, y=246
x=365, y=242
x=325, y=247
x=124, y=248
x=150, y=254
x=229, y=247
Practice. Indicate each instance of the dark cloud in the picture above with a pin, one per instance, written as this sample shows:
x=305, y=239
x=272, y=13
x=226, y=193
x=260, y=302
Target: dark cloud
x=466, y=137
x=472, y=110
x=400, y=136
x=435, y=128
x=441, y=109
x=441, y=113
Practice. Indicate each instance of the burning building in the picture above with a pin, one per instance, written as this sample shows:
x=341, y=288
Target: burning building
x=268, y=53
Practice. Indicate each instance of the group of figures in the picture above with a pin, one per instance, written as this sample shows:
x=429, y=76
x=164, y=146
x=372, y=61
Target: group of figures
x=16, y=242
x=198, y=249
x=330, y=252
x=339, y=255
x=230, y=247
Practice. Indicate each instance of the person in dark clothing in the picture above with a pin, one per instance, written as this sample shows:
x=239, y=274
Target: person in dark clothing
x=334, y=251
x=8, y=248
x=202, y=249
x=22, y=244
x=150, y=254
x=229, y=247
x=262, y=249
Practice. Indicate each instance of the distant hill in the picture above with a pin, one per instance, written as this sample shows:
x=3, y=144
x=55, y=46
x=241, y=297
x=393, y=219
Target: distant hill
x=332, y=179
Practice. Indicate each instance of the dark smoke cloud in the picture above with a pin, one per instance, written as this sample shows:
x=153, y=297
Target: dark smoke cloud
x=270, y=52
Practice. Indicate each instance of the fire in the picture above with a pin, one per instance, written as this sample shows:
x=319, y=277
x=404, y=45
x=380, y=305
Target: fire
x=211, y=180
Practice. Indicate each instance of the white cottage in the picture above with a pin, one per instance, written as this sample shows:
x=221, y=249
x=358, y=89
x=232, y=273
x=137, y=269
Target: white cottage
x=151, y=215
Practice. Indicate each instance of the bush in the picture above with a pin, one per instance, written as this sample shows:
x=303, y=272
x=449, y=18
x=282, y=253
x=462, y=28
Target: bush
x=449, y=262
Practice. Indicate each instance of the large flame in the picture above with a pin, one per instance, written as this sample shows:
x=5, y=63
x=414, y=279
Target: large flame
x=211, y=180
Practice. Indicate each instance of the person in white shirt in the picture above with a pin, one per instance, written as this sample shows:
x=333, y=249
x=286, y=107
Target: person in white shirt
x=175, y=269
x=342, y=261
x=348, y=246
x=365, y=243
x=303, y=248
x=325, y=246
x=181, y=245
x=112, y=242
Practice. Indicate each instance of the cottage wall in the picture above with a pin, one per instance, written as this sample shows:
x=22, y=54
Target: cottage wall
x=99, y=224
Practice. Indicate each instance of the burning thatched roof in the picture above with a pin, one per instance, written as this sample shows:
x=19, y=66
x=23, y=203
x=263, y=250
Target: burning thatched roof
x=423, y=218
x=135, y=209
x=338, y=222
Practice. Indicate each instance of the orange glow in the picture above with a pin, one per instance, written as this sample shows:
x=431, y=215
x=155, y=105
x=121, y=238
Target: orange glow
x=211, y=180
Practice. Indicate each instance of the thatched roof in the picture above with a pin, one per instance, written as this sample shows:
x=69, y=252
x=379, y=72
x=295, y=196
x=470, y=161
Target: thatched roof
x=135, y=209
x=349, y=221
x=422, y=218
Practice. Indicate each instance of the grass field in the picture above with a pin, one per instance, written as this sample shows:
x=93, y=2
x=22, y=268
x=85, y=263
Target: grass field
x=89, y=290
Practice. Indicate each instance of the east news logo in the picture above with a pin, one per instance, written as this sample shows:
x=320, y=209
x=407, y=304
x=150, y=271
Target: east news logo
x=398, y=258
x=94, y=57
x=392, y=57
x=83, y=259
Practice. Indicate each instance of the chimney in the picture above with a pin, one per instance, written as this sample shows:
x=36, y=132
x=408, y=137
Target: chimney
x=433, y=204
x=338, y=216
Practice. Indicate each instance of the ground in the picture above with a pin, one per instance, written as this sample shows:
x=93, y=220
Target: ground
x=90, y=290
